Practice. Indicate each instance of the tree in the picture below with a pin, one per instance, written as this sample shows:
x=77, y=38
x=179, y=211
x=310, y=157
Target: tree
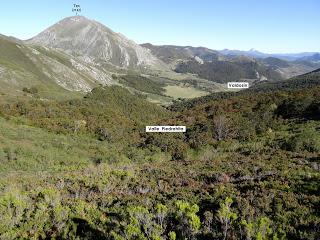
x=187, y=218
x=225, y=216
x=221, y=128
x=142, y=224
x=161, y=213
x=259, y=230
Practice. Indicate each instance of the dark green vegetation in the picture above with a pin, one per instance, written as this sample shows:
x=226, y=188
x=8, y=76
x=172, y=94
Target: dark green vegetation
x=141, y=83
x=308, y=80
x=247, y=168
x=226, y=71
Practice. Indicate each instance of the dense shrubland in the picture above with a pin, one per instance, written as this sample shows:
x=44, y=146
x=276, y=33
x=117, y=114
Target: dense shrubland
x=247, y=168
x=113, y=110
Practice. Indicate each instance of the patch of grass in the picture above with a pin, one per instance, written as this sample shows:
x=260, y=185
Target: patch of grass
x=183, y=92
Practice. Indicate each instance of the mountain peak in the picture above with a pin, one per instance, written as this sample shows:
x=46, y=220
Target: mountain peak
x=94, y=42
x=77, y=18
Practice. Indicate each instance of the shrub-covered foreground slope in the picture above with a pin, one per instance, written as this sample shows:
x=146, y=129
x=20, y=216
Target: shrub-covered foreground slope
x=247, y=168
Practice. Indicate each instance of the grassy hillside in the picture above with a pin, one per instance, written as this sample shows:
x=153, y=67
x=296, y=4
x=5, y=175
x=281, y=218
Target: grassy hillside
x=17, y=70
x=33, y=66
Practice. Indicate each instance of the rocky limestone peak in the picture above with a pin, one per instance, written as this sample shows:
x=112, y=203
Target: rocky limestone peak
x=94, y=42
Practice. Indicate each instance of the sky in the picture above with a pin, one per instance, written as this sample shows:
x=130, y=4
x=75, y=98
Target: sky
x=272, y=26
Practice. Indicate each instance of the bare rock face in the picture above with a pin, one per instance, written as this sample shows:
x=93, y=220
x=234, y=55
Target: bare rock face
x=94, y=42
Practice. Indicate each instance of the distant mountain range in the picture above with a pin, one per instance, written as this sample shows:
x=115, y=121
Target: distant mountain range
x=313, y=56
x=223, y=66
x=76, y=54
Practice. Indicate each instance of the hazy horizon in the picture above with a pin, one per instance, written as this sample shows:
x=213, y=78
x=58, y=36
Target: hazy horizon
x=285, y=27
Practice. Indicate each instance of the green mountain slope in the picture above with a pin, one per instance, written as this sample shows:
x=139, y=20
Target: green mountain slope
x=17, y=70
x=55, y=74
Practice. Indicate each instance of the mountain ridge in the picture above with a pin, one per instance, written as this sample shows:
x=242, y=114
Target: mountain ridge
x=259, y=54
